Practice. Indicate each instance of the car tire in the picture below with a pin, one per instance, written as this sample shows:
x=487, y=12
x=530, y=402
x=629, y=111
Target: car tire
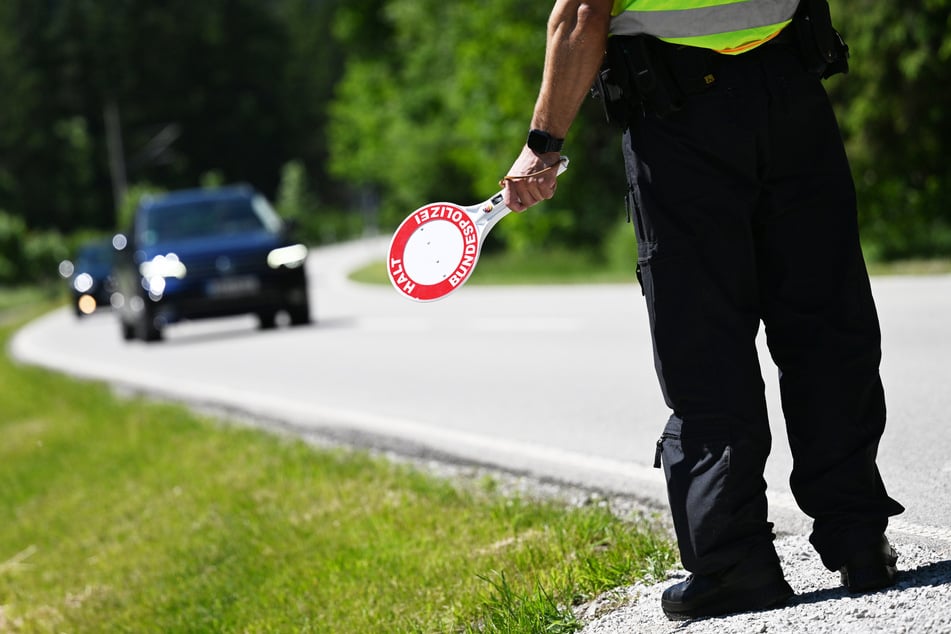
x=267, y=320
x=146, y=328
x=300, y=315
x=128, y=331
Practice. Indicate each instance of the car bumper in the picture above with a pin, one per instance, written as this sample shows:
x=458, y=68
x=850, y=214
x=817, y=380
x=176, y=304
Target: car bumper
x=232, y=295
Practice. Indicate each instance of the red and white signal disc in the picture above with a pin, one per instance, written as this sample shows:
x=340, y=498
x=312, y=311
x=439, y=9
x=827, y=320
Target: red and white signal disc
x=433, y=252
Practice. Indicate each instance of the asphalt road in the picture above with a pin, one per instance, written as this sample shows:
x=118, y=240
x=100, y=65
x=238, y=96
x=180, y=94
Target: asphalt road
x=554, y=381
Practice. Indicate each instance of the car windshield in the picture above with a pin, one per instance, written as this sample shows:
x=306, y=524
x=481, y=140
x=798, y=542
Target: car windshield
x=94, y=256
x=201, y=219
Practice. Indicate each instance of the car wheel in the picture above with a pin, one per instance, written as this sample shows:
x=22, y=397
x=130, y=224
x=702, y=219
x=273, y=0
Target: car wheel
x=128, y=331
x=300, y=315
x=146, y=328
x=267, y=320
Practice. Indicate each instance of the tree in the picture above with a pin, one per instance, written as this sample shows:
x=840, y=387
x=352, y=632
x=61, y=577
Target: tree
x=446, y=110
x=217, y=85
x=46, y=144
x=894, y=111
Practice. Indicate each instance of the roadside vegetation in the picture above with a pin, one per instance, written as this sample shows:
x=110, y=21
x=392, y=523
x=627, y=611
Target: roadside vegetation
x=286, y=96
x=614, y=264
x=122, y=514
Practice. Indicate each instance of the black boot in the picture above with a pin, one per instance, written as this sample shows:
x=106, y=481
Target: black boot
x=747, y=586
x=871, y=568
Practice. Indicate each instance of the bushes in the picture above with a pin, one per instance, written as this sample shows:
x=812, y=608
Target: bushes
x=28, y=257
x=316, y=223
x=893, y=109
x=12, y=232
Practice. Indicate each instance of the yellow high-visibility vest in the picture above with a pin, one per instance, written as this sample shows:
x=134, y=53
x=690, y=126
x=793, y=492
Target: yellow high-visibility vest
x=725, y=26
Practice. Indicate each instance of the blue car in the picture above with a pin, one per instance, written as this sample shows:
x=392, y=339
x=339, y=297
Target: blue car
x=89, y=276
x=202, y=253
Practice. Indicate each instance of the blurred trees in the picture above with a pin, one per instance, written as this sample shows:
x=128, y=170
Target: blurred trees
x=237, y=86
x=443, y=113
x=895, y=111
x=355, y=113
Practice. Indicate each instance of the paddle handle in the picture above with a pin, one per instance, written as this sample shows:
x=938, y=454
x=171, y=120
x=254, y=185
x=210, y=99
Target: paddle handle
x=495, y=208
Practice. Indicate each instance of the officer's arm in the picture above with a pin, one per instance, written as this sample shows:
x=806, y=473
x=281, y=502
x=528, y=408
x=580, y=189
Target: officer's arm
x=577, y=36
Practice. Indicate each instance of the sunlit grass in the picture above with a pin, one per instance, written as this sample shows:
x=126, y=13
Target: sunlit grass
x=125, y=515
x=544, y=266
x=15, y=301
x=562, y=266
x=911, y=267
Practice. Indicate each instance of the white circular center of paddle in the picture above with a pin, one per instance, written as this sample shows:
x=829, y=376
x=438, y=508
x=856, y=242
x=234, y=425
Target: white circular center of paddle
x=433, y=252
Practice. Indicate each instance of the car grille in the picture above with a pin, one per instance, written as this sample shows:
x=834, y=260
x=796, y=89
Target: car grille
x=214, y=265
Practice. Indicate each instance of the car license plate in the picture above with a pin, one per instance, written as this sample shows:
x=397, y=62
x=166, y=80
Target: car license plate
x=233, y=286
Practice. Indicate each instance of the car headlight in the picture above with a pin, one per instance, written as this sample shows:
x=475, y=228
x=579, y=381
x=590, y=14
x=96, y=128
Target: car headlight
x=83, y=282
x=291, y=257
x=163, y=266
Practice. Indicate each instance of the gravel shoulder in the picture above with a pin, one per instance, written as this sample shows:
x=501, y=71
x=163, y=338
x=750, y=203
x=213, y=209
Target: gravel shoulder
x=919, y=603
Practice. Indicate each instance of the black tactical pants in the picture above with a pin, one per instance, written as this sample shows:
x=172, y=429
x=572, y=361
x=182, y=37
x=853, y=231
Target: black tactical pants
x=745, y=212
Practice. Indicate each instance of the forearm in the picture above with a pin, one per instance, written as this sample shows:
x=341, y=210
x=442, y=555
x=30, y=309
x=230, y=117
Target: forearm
x=577, y=35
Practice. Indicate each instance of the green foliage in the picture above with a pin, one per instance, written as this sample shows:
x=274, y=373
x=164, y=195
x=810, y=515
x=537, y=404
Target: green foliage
x=12, y=234
x=212, y=179
x=133, y=196
x=235, y=85
x=294, y=200
x=42, y=253
x=458, y=83
x=388, y=105
x=894, y=112
x=316, y=223
x=28, y=257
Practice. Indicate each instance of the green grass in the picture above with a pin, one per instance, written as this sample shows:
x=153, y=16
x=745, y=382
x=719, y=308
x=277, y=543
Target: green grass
x=616, y=267
x=560, y=267
x=573, y=268
x=550, y=266
x=127, y=515
x=16, y=301
x=911, y=267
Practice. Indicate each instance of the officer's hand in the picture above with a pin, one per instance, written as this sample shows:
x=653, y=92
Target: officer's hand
x=531, y=179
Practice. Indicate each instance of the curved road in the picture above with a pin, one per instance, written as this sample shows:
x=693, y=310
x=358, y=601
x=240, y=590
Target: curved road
x=554, y=381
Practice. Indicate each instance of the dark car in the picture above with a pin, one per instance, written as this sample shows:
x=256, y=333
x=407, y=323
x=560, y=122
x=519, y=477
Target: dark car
x=89, y=276
x=203, y=253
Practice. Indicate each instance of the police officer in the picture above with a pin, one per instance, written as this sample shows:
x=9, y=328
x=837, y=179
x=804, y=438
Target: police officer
x=745, y=212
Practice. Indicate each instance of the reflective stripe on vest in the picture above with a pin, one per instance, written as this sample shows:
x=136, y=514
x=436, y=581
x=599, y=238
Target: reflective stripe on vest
x=727, y=26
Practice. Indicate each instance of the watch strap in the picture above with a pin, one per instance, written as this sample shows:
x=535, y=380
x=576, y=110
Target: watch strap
x=541, y=142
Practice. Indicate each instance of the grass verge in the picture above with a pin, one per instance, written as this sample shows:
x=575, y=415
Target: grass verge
x=125, y=515
x=17, y=301
x=560, y=267
x=579, y=267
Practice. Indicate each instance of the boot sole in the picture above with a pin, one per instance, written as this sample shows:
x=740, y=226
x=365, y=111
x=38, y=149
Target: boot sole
x=869, y=579
x=876, y=576
x=740, y=601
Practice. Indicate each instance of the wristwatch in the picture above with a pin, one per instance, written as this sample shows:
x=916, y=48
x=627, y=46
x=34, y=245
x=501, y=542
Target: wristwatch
x=540, y=142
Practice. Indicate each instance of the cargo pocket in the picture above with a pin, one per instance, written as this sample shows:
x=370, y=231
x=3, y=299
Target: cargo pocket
x=696, y=464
